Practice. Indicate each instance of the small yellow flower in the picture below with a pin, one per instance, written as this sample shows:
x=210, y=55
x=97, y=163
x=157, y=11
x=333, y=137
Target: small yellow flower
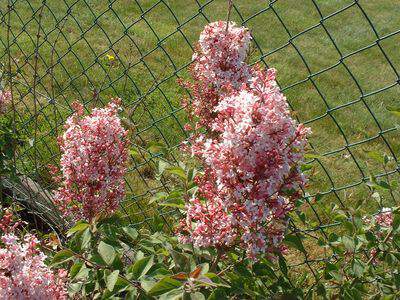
x=110, y=57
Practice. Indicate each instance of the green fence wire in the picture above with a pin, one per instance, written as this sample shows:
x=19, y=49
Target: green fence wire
x=337, y=62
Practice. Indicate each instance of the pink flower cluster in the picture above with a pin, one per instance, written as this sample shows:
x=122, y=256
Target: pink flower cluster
x=23, y=273
x=7, y=224
x=384, y=218
x=251, y=150
x=5, y=99
x=219, y=63
x=381, y=224
x=93, y=163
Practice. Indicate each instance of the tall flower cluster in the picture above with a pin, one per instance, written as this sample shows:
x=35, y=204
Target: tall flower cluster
x=219, y=64
x=93, y=162
x=5, y=99
x=251, y=150
x=23, y=273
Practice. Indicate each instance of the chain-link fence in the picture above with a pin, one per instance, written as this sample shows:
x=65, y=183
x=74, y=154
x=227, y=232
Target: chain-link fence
x=337, y=62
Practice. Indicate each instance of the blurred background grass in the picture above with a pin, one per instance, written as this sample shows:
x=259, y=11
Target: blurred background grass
x=337, y=62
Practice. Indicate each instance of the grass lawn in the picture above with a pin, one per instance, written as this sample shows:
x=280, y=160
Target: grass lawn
x=338, y=63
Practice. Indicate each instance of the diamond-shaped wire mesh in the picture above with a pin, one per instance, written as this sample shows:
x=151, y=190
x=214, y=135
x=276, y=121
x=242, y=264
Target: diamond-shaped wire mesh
x=337, y=63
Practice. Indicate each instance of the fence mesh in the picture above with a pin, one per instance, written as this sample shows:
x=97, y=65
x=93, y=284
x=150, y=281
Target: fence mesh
x=337, y=63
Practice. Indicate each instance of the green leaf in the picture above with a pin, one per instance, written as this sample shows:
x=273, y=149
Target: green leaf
x=349, y=226
x=384, y=185
x=181, y=261
x=359, y=203
x=306, y=167
x=302, y=216
x=283, y=266
x=197, y=296
x=386, y=159
x=121, y=284
x=318, y=197
x=348, y=243
x=130, y=232
x=147, y=282
x=328, y=269
x=88, y=288
x=117, y=263
x=217, y=294
x=86, y=237
x=82, y=274
x=336, y=275
x=391, y=259
x=109, y=230
x=80, y=226
x=111, y=280
x=176, y=294
x=158, y=197
x=261, y=269
x=135, y=154
x=164, y=285
x=75, y=288
x=397, y=280
x=191, y=174
x=156, y=147
x=377, y=197
x=241, y=269
x=173, y=199
x=357, y=268
x=162, y=165
x=106, y=252
x=62, y=256
x=175, y=205
x=177, y=171
x=141, y=267
x=333, y=237
x=396, y=223
x=75, y=269
x=295, y=241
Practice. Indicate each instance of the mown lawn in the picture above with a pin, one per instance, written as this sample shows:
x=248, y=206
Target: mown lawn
x=338, y=63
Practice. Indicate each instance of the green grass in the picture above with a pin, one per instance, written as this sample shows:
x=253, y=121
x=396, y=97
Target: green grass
x=338, y=84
